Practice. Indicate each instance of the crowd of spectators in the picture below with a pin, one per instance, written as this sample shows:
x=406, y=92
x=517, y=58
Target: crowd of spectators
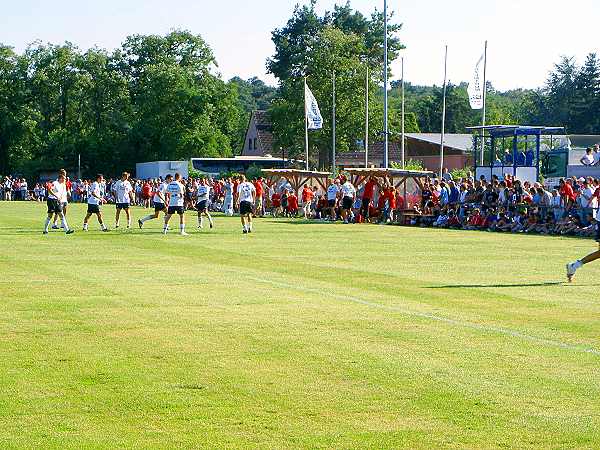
x=502, y=205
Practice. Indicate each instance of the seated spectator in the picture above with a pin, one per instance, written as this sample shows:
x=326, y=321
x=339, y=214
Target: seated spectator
x=475, y=221
x=588, y=158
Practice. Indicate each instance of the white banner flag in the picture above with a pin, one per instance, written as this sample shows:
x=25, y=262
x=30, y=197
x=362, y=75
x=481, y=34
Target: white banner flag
x=475, y=89
x=313, y=113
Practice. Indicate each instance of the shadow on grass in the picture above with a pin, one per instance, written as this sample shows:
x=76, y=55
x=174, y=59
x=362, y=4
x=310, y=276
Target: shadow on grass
x=459, y=286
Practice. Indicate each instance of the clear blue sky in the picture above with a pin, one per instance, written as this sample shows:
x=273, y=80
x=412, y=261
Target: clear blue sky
x=525, y=36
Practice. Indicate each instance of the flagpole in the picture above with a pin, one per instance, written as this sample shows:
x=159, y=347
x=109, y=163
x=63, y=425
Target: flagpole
x=444, y=114
x=403, y=134
x=367, y=119
x=385, y=85
x=305, y=125
x=333, y=126
x=484, y=101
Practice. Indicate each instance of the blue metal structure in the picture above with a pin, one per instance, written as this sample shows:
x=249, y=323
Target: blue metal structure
x=519, y=153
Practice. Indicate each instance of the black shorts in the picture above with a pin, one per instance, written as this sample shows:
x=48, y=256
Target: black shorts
x=123, y=205
x=245, y=208
x=331, y=203
x=347, y=203
x=158, y=207
x=176, y=210
x=54, y=206
x=202, y=206
x=93, y=209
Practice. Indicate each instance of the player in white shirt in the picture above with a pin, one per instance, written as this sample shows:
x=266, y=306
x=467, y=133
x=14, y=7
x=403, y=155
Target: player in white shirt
x=123, y=192
x=95, y=199
x=202, y=196
x=159, y=200
x=57, y=195
x=176, y=193
x=333, y=191
x=348, y=195
x=246, y=196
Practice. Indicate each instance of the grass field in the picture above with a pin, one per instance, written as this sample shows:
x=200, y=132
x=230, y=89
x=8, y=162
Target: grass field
x=297, y=336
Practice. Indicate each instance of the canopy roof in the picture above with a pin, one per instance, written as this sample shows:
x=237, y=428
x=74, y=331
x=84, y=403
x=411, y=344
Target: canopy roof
x=391, y=173
x=294, y=172
x=516, y=130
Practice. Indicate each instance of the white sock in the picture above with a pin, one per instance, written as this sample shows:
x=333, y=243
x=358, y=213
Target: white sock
x=250, y=226
x=210, y=220
x=129, y=223
x=200, y=221
x=85, y=226
x=116, y=223
x=102, y=226
x=147, y=218
x=577, y=264
x=46, y=224
x=65, y=224
x=182, y=227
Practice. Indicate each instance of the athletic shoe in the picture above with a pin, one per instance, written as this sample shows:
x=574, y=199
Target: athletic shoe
x=211, y=225
x=70, y=231
x=571, y=271
x=245, y=231
x=140, y=223
x=106, y=230
x=249, y=230
x=183, y=233
x=200, y=227
x=55, y=227
x=44, y=232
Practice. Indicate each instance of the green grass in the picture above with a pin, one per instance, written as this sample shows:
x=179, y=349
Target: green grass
x=297, y=336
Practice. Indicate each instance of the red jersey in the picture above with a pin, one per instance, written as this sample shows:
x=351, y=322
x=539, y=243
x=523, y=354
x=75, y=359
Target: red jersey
x=369, y=189
x=276, y=200
x=259, y=188
x=292, y=202
x=391, y=197
x=307, y=195
x=567, y=191
x=146, y=190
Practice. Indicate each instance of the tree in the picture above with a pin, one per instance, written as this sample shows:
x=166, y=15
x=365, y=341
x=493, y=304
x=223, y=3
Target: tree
x=312, y=46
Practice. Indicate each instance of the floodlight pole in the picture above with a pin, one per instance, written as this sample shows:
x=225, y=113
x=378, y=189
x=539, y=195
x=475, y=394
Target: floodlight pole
x=367, y=119
x=484, y=105
x=403, y=134
x=444, y=114
x=333, y=128
x=385, y=86
x=305, y=125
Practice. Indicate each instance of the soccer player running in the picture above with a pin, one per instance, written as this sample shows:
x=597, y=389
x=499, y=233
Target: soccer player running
x=348, y=195
x=159, y=201
x=574, y=266
x=123, y=198
x=176, y=193
x=202, y=196
x=94, y=201
x=246, y=196
x=57, y=195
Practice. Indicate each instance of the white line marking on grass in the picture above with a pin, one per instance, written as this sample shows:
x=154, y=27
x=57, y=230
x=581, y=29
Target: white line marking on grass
x=459, y=323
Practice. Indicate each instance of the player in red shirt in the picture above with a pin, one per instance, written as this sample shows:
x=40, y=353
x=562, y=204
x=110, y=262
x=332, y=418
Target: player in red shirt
x=276, y=203
x=567, y=194
x=292, y=204
x=367, y=197
x=307, y=198
x=258, y=185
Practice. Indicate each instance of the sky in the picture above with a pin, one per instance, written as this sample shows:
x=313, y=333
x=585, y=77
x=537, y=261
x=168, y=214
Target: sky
x=525, y=37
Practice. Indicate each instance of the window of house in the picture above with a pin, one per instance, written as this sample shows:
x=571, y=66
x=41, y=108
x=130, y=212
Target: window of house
x=255, y=146
x=249, y=144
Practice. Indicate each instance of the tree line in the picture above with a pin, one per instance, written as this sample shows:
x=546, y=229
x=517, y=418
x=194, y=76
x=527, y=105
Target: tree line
x=162, y=98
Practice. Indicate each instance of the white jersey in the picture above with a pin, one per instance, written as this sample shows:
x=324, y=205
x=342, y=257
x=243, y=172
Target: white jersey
x=348, y=190
x=176, y=191
x=123, y=190
x=202, y=193
x=332, y=192
x=246, y=192
x=58, y=192
x=162, y=189
x=93, y=191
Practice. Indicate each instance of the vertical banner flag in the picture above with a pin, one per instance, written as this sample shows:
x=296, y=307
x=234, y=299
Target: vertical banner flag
x=475, y=89
x=313, y=113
